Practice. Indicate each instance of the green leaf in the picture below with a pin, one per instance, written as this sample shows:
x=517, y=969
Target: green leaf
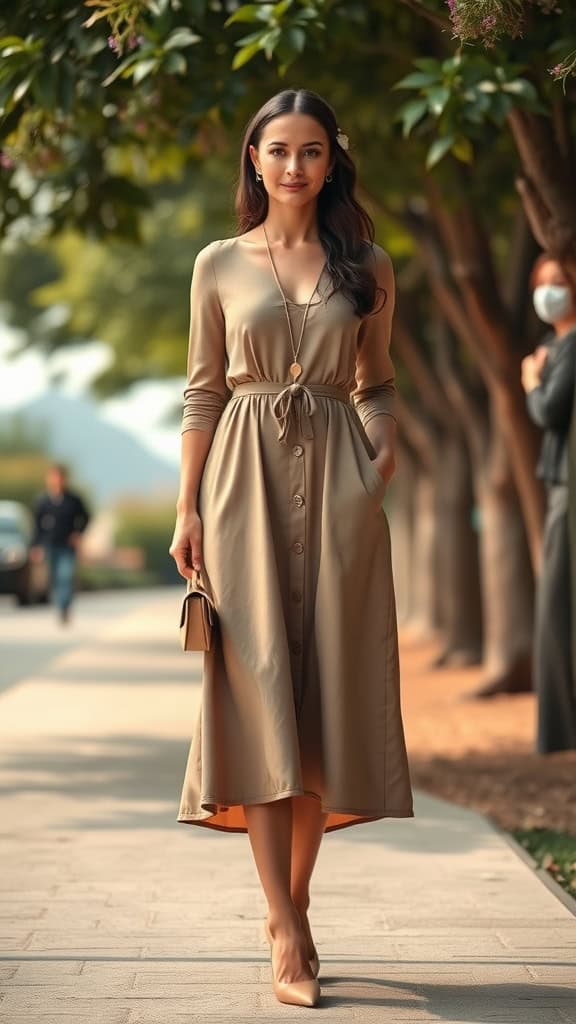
x=463, y=150
x=181, y=37
x=411, y=113
x=521, y=87
x=438, y=98
x=487, y=86
x=281, y=7
x=451, y=64
x=45, y=87
x=58, y=52
x=21, y=89
x=429, y=64
x=15, y=41
x=143, y=69
x=121, y=69
x=269, y=40
x=438, y=149
x=500, y=108
x=245, y=54
x=296, y=38
x=416, y=79
x=251, y=38
x=175, y=64
x=9, y=51
x=250, y=12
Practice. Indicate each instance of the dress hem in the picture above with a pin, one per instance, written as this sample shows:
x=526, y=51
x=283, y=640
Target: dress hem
x=202, y=818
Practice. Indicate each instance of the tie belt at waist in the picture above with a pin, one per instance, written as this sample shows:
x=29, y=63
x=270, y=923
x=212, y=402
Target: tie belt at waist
x=292, y=398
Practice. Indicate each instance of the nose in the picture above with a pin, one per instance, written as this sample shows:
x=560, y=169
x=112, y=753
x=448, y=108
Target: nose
x=293, y=167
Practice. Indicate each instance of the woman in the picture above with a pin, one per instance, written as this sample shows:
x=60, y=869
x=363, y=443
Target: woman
x=549, y=379
x=300, y=729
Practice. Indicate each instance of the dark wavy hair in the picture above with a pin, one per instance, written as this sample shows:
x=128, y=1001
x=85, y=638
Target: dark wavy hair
x=345, y=228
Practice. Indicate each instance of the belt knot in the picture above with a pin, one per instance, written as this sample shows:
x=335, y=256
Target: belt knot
x=294, y=398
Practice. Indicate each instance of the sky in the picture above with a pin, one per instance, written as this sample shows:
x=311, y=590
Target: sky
x=139, y=411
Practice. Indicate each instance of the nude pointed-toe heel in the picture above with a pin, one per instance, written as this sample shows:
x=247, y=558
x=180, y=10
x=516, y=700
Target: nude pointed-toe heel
x=297, y=993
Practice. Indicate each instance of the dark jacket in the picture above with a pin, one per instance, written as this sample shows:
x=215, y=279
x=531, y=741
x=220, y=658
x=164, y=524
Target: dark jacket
x=56, y=518
x=550, y=406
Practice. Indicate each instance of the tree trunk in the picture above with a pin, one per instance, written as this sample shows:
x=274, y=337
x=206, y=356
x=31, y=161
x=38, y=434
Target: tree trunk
x=507, y=579
x=458, y=571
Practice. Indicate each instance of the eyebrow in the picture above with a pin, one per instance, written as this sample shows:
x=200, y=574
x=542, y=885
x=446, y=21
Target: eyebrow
x=315, y=142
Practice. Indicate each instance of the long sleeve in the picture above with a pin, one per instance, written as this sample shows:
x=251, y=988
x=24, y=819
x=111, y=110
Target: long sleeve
x=81, y=514
x=205, y=393
x=550, y=404
x=375, y=389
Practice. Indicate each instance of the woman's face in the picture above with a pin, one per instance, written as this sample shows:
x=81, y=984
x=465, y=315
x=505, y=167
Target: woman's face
x=293, y=157
x=553, y=296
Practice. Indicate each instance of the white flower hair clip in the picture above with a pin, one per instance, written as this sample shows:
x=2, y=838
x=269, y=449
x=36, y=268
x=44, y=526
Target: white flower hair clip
x=342, y=139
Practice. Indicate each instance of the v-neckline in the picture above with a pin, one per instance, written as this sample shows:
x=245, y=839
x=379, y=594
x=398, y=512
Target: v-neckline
x=309, y=302
x=291, y=302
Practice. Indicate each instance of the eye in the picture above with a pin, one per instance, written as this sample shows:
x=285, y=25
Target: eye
x=278, y=149
x=313, y=152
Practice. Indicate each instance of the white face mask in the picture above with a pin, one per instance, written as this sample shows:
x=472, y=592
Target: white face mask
x=552, y=302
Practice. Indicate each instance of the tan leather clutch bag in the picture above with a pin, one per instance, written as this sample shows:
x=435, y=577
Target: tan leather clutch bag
x=197, y=617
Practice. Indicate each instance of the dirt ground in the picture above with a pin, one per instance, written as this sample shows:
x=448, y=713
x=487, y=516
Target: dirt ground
x=480, y=752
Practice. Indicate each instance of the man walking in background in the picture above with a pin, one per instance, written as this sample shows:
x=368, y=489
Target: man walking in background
x=60, y=517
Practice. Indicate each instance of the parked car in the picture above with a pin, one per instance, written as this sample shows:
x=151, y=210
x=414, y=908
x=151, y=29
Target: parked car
x=19, y=575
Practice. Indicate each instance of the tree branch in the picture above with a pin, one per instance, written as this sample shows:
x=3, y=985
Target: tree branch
x=437, y=19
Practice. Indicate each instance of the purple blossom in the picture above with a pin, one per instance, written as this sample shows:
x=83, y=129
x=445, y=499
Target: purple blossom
x=134, y=41
x=6, y=161
x=114, y=44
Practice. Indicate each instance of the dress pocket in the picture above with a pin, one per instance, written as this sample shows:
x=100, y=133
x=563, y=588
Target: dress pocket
x=374, y=485
x=378, y=485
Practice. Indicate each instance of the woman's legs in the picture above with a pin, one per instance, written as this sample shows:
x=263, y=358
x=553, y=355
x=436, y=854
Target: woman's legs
x=270, y=832
x=308, y=823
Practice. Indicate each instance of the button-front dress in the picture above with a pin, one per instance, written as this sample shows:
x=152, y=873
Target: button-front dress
x=301, y=686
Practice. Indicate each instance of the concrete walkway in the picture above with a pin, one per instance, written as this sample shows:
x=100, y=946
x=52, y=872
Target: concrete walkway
x=114, y=912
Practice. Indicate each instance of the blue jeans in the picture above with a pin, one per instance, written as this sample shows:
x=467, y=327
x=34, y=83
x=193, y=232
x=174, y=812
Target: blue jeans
x=61, y=567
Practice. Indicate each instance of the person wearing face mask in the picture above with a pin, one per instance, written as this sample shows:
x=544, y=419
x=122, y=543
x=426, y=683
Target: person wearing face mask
x=549, y=380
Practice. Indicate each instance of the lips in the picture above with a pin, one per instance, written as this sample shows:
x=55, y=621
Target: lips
x=294, y=188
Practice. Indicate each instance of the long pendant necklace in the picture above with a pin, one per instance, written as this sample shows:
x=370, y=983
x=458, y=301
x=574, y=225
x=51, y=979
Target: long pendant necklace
x=295, y=368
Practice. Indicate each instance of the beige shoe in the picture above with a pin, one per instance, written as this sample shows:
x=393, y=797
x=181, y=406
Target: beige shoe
x=297, y=993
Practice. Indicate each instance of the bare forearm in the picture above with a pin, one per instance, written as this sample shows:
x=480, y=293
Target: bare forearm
x=195, y=448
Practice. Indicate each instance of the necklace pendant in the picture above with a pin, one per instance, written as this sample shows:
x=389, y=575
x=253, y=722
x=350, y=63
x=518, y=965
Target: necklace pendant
x=295, y=370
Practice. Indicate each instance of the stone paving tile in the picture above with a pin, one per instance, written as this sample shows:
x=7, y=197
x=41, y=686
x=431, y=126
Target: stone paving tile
x=96, y=1015
x=40, y=973
x=15, y=940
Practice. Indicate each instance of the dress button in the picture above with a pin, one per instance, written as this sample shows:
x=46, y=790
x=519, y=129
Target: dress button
x=298, y=500
x=296, y=595
x=298, y=547
x=296, y=646
x=297, y=449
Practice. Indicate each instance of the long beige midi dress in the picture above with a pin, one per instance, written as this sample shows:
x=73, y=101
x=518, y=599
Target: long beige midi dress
x=301, y=687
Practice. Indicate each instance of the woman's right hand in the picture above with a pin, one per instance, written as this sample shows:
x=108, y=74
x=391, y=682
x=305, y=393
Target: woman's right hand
x=186, y=546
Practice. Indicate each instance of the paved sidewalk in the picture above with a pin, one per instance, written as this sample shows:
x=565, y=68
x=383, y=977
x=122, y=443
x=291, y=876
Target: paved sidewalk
x=112, y=911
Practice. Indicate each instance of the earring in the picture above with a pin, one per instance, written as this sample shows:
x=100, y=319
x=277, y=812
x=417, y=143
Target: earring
x=328, y=177
x=258, y=176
